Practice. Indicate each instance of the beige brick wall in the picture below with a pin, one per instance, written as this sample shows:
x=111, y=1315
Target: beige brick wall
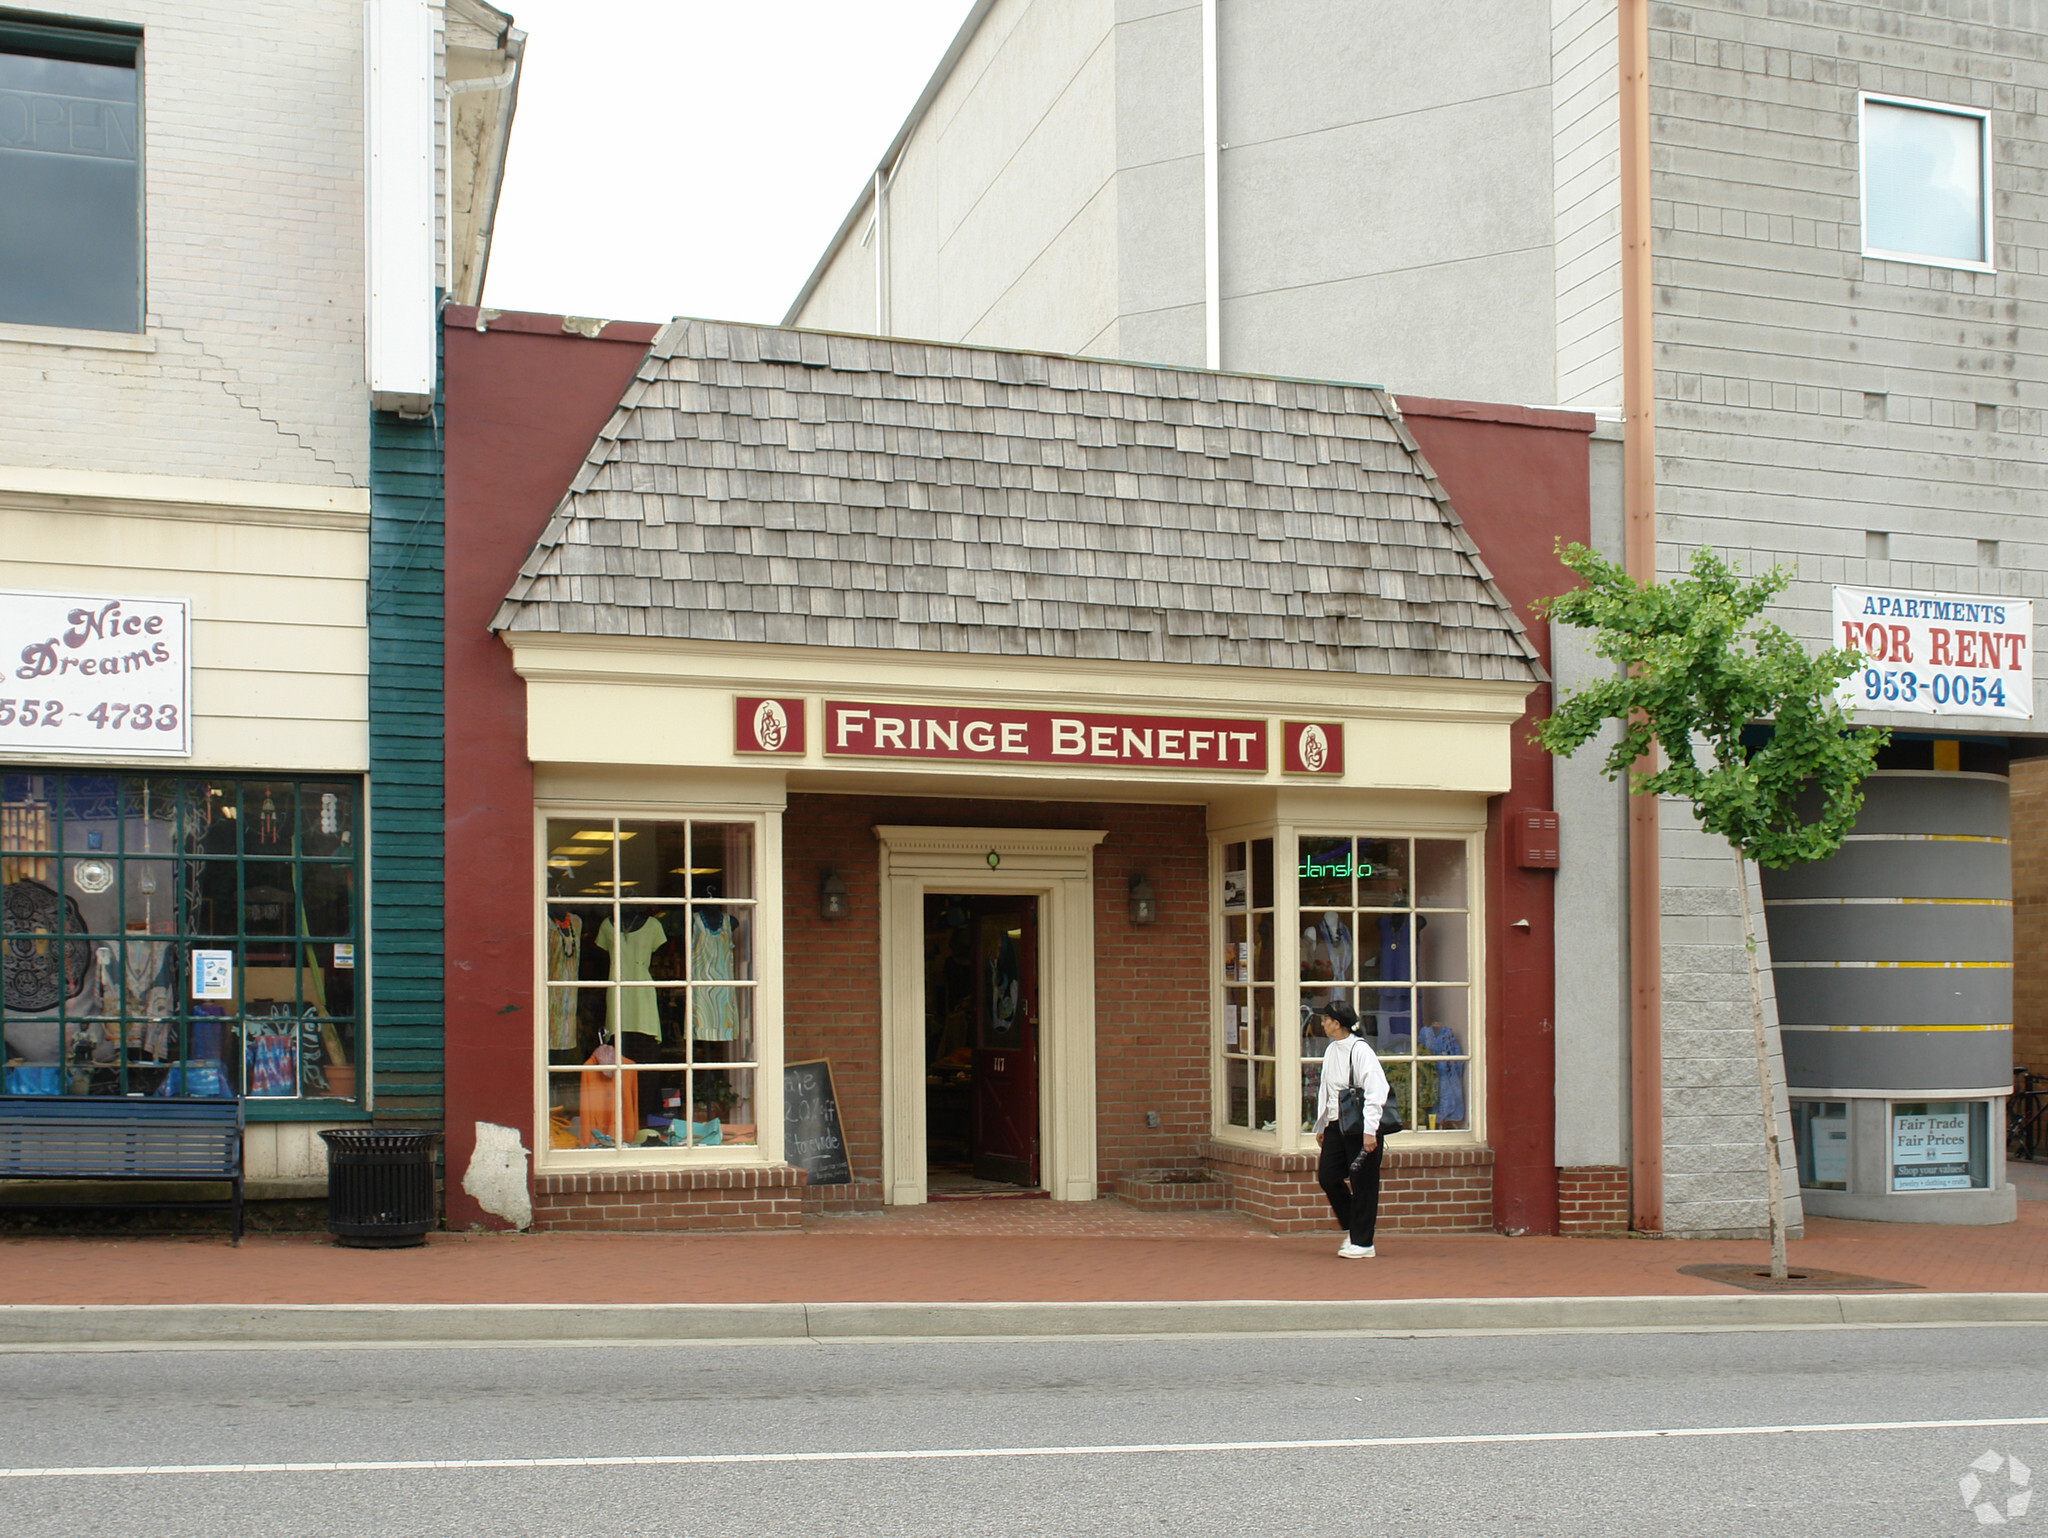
x=253, y=231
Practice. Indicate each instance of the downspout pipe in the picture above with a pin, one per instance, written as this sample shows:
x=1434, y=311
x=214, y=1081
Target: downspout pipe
x=1639, y=557
x=1212, y=238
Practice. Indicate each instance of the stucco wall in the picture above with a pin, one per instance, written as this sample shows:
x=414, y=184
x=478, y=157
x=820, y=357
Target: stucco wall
x=253, y=231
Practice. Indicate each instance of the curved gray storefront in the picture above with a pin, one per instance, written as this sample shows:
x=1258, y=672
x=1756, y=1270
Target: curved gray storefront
x=1892, y=963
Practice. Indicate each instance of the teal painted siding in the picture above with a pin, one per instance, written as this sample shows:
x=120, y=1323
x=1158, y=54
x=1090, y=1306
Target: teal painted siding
x=406, y=867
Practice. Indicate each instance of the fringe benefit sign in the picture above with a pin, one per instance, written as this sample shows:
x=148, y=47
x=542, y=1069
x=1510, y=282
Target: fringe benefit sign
x=1937, y=654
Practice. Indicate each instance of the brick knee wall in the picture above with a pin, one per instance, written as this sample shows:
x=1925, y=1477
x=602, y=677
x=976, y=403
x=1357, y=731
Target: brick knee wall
x=1422, y=1190
x=660, y=1200
x=1593, y=1199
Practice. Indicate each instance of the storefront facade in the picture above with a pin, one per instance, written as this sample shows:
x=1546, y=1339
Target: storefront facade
x=1033, y=740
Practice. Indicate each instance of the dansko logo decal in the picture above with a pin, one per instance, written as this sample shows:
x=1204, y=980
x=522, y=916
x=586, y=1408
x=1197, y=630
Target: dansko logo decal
x=1313, y=747
x=768, y=725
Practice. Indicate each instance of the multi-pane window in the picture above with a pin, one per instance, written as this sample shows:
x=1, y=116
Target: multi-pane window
x=1386, y=927
x=1926, y=183
x=70, y=177
x=176, y=934
x=647, y=945
x=1250, y=1034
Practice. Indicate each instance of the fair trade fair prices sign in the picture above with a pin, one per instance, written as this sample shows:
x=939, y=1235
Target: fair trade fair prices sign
x=107, y=676
x=1937, y=654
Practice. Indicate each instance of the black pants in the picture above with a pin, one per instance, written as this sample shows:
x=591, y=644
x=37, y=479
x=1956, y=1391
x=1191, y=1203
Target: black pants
x=1355, y=1201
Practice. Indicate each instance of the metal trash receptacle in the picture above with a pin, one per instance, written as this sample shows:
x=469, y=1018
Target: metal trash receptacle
x=380, y=1187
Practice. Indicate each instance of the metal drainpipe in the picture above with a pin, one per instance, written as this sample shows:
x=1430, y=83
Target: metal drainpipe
x=1212, y=242
x=882, y=179
x=1639, y=551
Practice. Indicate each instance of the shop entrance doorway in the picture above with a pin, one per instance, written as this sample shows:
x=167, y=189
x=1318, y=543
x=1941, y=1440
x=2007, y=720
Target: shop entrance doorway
x=981, y=1045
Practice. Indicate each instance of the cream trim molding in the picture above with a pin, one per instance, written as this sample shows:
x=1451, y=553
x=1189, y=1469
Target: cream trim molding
x=121, y=493
x=1057, y=866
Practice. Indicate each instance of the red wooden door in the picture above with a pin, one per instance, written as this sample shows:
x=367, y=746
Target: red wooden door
x=1006, y=1044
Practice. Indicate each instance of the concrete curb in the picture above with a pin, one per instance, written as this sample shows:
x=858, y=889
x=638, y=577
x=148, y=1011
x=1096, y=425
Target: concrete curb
x=511, y=1323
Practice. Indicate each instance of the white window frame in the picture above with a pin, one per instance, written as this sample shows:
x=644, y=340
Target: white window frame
x=1287, y=1137
x=767, y=989
x=1983, y=117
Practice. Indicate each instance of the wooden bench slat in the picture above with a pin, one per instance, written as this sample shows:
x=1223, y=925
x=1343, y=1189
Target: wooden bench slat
x=105, y=1137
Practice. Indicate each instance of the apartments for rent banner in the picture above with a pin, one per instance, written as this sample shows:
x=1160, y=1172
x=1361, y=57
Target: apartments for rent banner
x=1937, y=654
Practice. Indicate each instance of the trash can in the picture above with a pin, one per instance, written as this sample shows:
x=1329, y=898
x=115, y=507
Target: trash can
x=380, y=1187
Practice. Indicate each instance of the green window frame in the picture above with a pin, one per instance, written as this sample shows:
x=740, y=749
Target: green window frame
x=182, y=935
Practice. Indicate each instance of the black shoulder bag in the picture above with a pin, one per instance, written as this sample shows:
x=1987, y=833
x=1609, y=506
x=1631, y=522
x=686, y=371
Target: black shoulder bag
x=1351, y=1106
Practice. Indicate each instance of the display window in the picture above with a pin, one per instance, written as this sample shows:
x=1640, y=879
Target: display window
x=1251, y=1039
x=181, y=935
x=647, y=938
x=1386, y=925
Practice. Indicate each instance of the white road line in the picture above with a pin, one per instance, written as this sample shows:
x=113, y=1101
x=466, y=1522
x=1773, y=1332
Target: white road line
x=926, y=1454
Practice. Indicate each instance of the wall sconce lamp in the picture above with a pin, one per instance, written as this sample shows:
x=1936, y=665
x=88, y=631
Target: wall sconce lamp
x=1144, y=901
x=833, y=902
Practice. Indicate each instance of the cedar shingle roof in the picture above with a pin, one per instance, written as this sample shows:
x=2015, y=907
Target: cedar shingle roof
x=768, y=485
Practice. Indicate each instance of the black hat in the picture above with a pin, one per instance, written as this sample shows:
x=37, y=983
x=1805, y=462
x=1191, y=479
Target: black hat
x=1340, y=1012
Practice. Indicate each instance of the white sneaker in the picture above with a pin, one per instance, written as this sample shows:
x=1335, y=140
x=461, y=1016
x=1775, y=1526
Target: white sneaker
x=1355, y=1251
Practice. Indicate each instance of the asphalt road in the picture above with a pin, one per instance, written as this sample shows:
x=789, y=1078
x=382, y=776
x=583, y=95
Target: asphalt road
x=1049, y=1408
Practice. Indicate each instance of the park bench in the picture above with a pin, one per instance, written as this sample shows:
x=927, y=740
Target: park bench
x=124, y=1137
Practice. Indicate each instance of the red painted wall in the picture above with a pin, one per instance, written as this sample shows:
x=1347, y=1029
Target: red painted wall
x=1519, y=480
x=524, y=402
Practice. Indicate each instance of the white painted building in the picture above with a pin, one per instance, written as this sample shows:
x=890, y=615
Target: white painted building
x=1793, y=248
x=228, y=227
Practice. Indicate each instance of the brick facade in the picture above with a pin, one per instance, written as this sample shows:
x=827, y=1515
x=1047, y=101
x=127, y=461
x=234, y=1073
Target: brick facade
x=1593, y=1200
x=1152, y=1056
x=1422, y=1190
x=1151, y=984
x=669, y=1199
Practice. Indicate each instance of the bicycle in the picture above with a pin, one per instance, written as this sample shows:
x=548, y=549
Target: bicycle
x=2026, y=1115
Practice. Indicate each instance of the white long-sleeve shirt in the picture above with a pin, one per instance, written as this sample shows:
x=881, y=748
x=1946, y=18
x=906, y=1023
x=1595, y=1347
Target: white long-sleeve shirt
x=1350, y=1061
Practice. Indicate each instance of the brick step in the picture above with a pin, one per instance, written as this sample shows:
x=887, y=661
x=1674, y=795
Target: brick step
x=1172, y=1191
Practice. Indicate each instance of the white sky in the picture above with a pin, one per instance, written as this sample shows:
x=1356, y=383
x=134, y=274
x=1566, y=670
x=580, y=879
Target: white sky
x=692, y=157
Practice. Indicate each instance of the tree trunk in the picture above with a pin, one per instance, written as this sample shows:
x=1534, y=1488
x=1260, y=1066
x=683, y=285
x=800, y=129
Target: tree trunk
x=1774, y=1180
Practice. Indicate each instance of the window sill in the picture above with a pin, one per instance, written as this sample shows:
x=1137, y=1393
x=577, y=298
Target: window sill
x=302, y=1110
x=64, y=336
x=1907, y=259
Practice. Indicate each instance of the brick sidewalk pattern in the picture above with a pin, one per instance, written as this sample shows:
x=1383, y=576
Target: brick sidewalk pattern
x=983, y=1252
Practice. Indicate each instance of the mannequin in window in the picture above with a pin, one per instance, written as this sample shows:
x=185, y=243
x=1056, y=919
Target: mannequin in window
x=714, y=957
x=564, y=942
x=1326, y=950
x=633, y=1011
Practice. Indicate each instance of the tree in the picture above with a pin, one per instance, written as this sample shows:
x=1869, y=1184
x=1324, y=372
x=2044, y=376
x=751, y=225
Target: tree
x=1697, y=669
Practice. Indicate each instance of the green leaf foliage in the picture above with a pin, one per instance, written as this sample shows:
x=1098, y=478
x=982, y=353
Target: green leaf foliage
x=1697, y=665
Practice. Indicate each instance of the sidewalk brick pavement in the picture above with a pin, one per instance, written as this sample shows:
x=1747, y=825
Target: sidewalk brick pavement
x=981, y=1252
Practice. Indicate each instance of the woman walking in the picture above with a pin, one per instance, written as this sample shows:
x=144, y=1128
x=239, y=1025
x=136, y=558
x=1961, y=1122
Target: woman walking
x=1349, y=1170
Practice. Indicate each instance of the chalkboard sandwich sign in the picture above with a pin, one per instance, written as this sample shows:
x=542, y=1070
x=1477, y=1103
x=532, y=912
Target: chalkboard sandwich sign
x=812, y=1137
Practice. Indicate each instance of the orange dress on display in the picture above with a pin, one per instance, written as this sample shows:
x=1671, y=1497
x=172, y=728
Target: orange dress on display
x=597, y=1098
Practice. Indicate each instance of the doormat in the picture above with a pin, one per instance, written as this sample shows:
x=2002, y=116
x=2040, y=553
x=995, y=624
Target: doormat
x=1754, y=1278
x=983, y=1194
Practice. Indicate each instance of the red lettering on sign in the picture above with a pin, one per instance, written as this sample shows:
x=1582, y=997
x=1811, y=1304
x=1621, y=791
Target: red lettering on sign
x=1902, y=644
x=1937, y=648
